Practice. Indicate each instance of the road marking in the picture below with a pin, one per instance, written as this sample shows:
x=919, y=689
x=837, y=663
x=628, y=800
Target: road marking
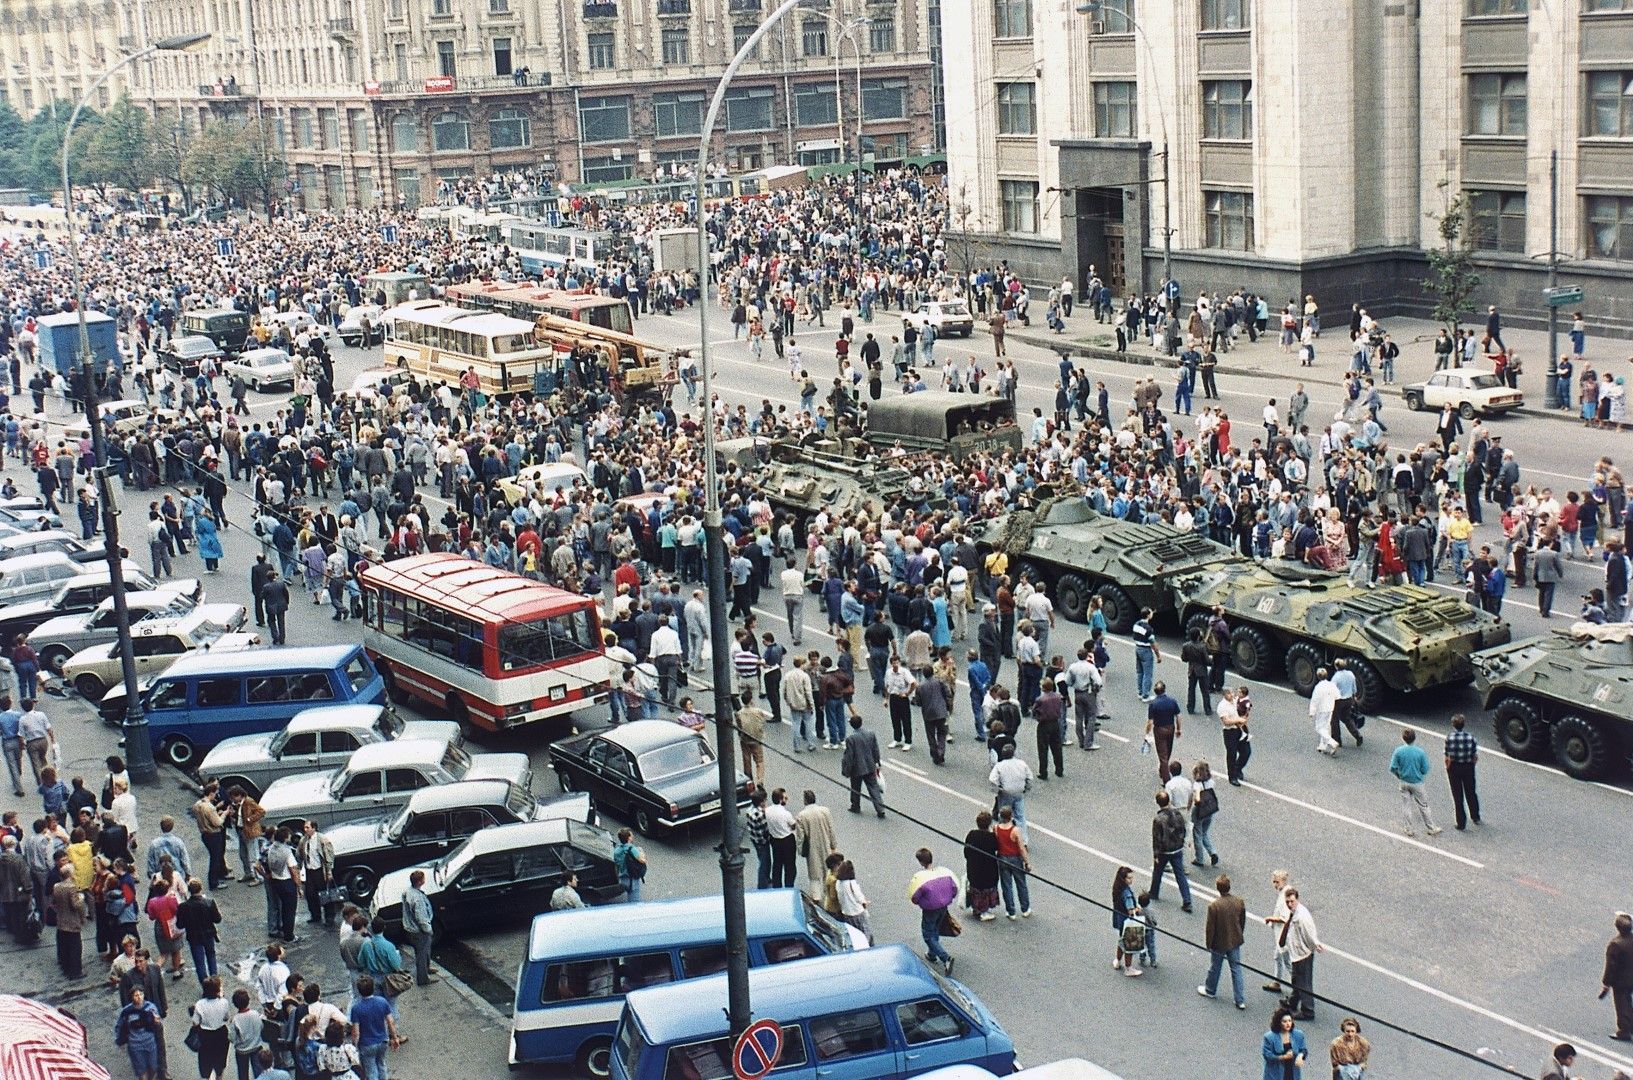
x=1545, y=1035
x=909, y=768
x=1386, y=833
x=1610, y=1057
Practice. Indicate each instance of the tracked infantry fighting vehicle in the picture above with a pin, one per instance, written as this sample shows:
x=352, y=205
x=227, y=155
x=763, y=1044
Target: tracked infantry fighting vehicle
x=1291, y=618
x=1566, y=695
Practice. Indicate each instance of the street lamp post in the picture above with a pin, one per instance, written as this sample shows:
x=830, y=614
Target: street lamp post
x=1093, y=7
x=138, y=745
x=731, y=840
x=844, y=30
x=1551, y=383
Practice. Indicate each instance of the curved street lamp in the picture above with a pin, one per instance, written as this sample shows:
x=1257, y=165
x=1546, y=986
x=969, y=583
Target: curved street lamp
x=138, y=745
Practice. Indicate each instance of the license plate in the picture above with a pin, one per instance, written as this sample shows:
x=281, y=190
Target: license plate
x=709, y=807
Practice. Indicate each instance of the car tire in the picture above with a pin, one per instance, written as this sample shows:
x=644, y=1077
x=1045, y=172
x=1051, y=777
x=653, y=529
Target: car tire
x=594, y=1060
x=1414, y=402
x=565, y=779
x=360, y=883
x=1581, y=747
x=1369, y=685
x=641, y=818
x=1251, y=653
x=230, y=782
x=394, y=691
x=460, y=713
x=1302, y=662
x=1467, y=410
x=53, y=658
x=179, y=752
x=90, y=687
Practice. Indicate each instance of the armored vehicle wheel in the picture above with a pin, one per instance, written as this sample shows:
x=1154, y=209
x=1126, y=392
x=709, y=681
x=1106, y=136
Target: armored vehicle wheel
x=1369, y=685
x=1303, y=661
x=1072, y=595
x=1198, y=622
x=1118, y=608
x=1251, y=653
x=1520, y=730
x=1580, y=747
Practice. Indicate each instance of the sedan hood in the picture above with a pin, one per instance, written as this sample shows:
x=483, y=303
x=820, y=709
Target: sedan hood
x=512, y=767
x=60, y=626
x=296, y=793
x=575, y=806
x=364, y=834
x=229, y=754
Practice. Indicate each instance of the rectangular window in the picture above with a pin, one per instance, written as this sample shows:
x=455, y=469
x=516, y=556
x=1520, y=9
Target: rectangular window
x=748, y=109
x=600, y=51
x=501, y=56
x=395, y=11
x=603, y=119
x=360, y=130
x=1229, y=217
x=1608, y=5
x=1012, y=18
x=814, y=106
x=1498, y=219
x=498, y=7
x=882, y=34
x=1020, y=199
x=1610, y=227
x=399, y=59
x=407, y=183
x=814, y=38
x=678, y=114
x=1017, y=109
x=884, y=99
x=1114, y=110
x=329, y=125
x=740, y=33
x=1117, y=16
x=1227, y=109
x=1610, y=103
x=677, y=46
x=1502, y=7
x=445, y=59
x=1496, y=104
x=366, y=195
x=1227, y=14
x=301, y=121
x=442, y=9
x=601, y=170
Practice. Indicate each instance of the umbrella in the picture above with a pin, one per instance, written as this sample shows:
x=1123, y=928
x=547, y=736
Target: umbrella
x=39, y=1042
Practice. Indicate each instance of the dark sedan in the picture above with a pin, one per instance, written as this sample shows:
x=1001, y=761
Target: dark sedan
x=655, y=774
x=435, y=821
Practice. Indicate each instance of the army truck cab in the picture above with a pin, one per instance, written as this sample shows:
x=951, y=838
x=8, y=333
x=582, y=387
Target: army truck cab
x=934, y=420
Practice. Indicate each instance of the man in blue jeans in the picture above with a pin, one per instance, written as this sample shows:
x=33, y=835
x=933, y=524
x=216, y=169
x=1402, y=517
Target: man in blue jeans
x=1227, y=923
x=1146, y=654
x=1168, y=848
x=376, y=1029
x=933, y=890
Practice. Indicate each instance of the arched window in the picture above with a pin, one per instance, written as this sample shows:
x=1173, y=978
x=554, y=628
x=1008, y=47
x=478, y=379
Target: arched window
x=510, y=129
x=451, y=131
x=405, y=133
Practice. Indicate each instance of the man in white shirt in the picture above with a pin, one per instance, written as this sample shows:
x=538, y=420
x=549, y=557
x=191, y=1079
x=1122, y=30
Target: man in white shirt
x=664, y=652
x=780, y=823
x=792, y=583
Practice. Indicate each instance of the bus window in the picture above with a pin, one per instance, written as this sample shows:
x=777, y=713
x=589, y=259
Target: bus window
x=524, y=645
x=702, y=960
x=578, y=981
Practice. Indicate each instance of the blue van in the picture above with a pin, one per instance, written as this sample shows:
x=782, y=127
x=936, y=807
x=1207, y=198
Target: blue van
x=855, y=1016
x=580, y=963
x=205, y=697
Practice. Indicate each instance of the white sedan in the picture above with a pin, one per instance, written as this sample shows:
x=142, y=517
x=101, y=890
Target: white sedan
x=157, y=643
x=351, y=326
x=375, y=381
x=261, y=368
x=1468, y=390
x=949, y=317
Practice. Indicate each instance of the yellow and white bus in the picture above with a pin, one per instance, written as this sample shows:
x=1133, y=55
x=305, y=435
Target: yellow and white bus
x=439, y=342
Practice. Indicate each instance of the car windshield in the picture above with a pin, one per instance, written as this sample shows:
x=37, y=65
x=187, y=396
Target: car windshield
x=521, y=803
x=952, y=307
x=1486, y=382
x=388, y=726
x=677, y=757
x=456, y=762
x=394, y=830
x=822, y=925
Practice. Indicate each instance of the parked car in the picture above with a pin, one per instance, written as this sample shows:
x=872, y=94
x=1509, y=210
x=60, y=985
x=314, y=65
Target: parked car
x=1470, y=391
x=185, y=352
x=550, y=474
x=83, y=594
x=261, y=368
x=433, y=821
x=59, y=638
x=30, y=543
x=351, y=326
x=319, y=739
x=506, y=869
x=378, y=779
x=949, y=317
x=130, y=416
x=375, y=381
x=156, y=644
x=33, y=577
x=653, y=773
x=298, y=323
x=30, y=511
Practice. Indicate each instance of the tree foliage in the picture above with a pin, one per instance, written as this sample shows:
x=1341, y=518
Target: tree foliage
x=237, y=161
x=1453, y=280
x=119, y=151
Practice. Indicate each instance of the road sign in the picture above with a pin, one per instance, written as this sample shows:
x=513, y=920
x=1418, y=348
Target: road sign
x=757, y=1050
x=1173, y=289
x=42, y=259
x=389, y=234
x=225, y=246
x=1562, y=295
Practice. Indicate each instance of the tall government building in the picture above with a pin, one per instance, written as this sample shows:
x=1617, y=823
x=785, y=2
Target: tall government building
x=1310, y=142
x=377, y=100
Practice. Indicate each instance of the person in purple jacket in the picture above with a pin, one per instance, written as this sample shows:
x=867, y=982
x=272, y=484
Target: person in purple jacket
x=933, y=890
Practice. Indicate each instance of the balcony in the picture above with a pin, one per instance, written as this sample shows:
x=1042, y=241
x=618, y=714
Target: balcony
x=229, y=88
x=342, y=26
x=600, y=11
x=674, y=7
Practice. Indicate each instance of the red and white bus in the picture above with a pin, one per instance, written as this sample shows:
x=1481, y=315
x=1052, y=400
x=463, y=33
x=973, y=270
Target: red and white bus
x=491, y=649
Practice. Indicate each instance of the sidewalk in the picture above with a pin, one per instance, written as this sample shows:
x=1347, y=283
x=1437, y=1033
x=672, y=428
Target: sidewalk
x=1265, y=359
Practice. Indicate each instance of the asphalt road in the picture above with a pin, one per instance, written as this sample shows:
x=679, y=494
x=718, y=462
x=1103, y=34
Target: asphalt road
x=1489, y=941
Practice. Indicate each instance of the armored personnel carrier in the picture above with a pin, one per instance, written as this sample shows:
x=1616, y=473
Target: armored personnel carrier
x=803, y=481
x=1292, y=618
x=1566, y=695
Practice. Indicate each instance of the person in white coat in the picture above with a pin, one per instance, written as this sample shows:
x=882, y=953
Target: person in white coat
x=1322, y=701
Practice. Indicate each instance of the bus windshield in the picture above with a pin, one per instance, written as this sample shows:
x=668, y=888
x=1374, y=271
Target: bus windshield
x=532, y=644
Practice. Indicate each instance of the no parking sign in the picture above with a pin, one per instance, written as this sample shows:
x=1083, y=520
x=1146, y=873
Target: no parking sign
x=757, y=1050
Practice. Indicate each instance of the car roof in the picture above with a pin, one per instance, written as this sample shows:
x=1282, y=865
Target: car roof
x=24, y=539
x=522, y=834
x=463, y=793
x=33, y=559
x=398, y=752
x=275, y=659
x=264, y=350
x=658, y=924
x=325, y=717
x=822, y=984
x=639, y=736
x=191, y=341
x=185, y=625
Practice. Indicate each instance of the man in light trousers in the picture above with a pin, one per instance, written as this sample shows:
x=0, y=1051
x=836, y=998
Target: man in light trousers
x=1410, y=765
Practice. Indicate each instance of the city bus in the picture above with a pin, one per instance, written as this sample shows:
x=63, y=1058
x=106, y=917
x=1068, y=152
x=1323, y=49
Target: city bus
x=538, y=246
x=529, y=300
x=438, y=342
x=490, y=649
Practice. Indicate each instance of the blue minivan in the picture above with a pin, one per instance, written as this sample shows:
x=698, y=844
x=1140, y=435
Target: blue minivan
x=854, y=1016
x=206, y=697
x=580, y=963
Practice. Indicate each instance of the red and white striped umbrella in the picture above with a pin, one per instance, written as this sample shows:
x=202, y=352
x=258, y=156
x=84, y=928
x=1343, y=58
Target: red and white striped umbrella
x=39, y=1042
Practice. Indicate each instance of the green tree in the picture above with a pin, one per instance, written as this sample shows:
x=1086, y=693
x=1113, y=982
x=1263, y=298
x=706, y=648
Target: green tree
x=13, y=134
x=1453, y=280
x=237, y=161
x=119, y=152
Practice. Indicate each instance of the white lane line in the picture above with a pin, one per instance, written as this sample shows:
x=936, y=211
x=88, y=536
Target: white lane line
x=1603, y=1057
x=1385, y=833
x=1611, y=1056
x=914, y=769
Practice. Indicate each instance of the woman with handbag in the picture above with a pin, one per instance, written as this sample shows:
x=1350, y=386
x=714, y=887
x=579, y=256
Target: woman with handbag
x=1204, y=806
x=1350, y=1052
x=208, y=1036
